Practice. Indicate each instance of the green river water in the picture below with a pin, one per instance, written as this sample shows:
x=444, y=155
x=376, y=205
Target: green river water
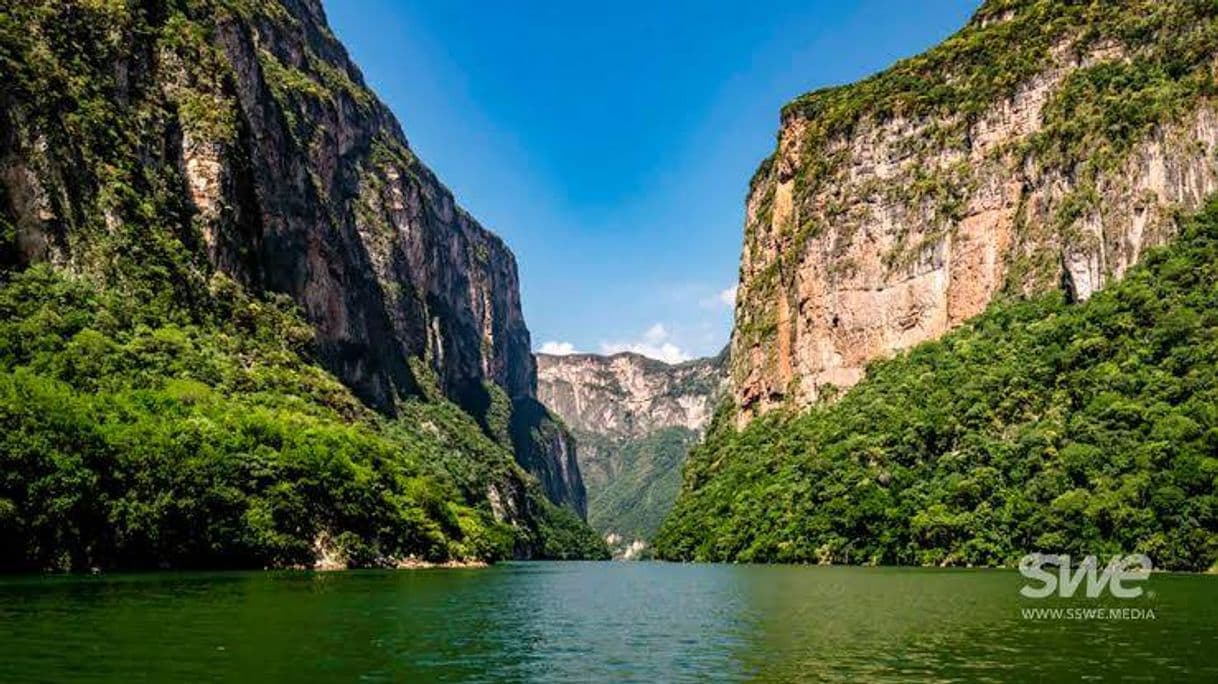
x=595, y=622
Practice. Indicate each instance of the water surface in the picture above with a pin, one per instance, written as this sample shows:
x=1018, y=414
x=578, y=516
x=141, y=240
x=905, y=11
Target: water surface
x=593, y=622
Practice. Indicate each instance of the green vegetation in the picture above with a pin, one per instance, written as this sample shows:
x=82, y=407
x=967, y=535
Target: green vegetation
x=156, y=414
x=635, y=501
x=128, y=444
x=87, y=125
x=564, y=536
x=1010, y=42
x=1089, y=428
x=288, y=81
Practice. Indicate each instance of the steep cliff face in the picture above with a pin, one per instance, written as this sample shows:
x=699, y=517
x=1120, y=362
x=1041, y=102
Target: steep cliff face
x=634, y=420
x=158, y=142
x=627, y=395
x=1046, y=145
x=1042, y=425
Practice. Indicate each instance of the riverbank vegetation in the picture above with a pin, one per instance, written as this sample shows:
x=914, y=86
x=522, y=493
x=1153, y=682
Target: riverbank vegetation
x=1039, y=426
x=138, y=437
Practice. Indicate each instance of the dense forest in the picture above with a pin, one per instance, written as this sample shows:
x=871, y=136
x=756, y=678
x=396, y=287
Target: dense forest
x=635, y=501
x=1039, y=426
x=134, y=437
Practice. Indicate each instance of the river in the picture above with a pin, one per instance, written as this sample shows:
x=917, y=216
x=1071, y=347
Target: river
x=599, y=622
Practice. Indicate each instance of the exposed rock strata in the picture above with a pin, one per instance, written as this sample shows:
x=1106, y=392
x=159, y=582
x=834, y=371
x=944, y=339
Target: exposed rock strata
x=905, y=224
x=626, y=412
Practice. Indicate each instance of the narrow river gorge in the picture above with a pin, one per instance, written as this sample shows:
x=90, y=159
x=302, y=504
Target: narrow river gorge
x=270, y=409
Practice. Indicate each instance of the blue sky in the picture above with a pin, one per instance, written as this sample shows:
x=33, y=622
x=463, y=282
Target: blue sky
x=611, y=144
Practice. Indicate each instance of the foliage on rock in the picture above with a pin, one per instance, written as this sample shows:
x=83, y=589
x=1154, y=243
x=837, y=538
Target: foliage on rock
x=1039, y=426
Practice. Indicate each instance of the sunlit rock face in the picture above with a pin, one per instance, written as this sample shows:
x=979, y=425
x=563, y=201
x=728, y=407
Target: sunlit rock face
x=629, y=395
x=890, y=214
x=634, y=420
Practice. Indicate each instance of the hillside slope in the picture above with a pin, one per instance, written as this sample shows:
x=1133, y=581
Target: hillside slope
x=997, y=185
x=634, y=419
x=191, y=161
x=1041, y=425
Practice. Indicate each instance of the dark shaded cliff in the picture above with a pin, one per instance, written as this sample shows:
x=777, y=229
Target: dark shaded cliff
x=205, y=192
x=236, y=135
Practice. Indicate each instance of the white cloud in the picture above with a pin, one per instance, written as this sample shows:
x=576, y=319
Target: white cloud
x=724, y=298
x=655, y=343
x=558, y=348
x=728, y=297
x=656, y=334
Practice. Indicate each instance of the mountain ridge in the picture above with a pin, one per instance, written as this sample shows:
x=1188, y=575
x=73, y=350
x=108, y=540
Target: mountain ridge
x=969, y=320
x=1043, y=145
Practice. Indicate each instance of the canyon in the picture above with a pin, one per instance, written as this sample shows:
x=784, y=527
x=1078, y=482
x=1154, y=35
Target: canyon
x=970, y=304
x=634, y=420
x=206, y=196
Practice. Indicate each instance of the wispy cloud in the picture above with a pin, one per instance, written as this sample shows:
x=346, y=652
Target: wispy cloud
x=656, y=342
x=558, y=348
x=728, y=296
x=725, y=298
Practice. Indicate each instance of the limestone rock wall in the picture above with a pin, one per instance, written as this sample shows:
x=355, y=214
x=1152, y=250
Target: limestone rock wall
x=867, y=237
x=633, y=419
x=627, y=395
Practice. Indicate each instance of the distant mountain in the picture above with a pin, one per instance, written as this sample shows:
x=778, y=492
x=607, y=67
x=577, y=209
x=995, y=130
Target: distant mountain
x=634, y=420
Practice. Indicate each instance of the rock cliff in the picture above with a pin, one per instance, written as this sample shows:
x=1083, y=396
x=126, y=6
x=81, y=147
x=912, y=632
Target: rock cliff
x=1045, y=145
x=634, y=419
x=236, y=136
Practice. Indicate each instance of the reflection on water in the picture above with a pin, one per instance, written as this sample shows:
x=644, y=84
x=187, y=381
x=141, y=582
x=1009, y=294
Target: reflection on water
x=591, y=622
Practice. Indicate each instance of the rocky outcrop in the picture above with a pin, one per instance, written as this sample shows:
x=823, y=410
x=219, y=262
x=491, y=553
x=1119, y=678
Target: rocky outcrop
x=628, y=395
x=548, y=450
x=262, y=152
x=1044, y=146
x=634, y=419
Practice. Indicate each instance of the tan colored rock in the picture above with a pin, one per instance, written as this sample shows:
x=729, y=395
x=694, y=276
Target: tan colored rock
x=915, y=232
x=627, y=395
x=613, y=405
